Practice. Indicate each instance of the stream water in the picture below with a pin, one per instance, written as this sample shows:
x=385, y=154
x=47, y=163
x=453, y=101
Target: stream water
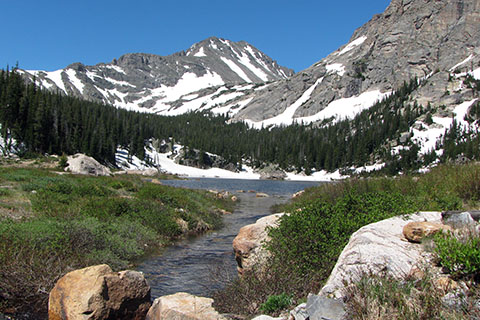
x=199, y=265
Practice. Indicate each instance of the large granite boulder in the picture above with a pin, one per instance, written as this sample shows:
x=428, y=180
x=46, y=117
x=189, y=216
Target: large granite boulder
x=82, y=164
x=98, y=293
x=248, y=244
x=378, y=247
x=183, y=306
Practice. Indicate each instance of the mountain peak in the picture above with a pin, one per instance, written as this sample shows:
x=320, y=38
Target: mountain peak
x=166, y=84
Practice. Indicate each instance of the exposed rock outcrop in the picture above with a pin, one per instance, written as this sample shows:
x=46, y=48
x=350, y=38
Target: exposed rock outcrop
x=272, y=172
x=183, y=306
x=82, y=164
x=411, y=38
x=378, y=247
x=96, y=293
x=248, y=244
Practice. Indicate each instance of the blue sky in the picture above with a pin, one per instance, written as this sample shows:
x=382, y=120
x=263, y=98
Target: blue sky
x=51, y=34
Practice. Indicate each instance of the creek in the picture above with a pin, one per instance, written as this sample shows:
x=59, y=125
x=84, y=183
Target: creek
x=202, y=264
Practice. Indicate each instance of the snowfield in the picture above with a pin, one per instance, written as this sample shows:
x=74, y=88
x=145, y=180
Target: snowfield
x=166, y=164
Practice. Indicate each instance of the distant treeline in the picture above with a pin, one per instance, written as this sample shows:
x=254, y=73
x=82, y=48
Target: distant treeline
x=49, y=122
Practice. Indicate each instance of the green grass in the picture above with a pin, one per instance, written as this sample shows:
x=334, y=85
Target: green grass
x=62, y=222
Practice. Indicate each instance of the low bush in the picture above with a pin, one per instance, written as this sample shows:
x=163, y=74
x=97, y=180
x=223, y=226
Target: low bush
x=276, y=303
x=310, y=240
x=459, y=254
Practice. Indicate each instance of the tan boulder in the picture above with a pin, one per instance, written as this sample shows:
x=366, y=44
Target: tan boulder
x=98, y=293
x=261, y=195
x=445, y=284
x=183, y=306
x=298, y=194
x=416, y=231
x=248, y=244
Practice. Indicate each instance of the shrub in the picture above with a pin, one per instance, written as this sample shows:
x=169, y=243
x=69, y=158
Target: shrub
x=276, y=303
x=310, y=240
x=63, y=161
x=459, y=254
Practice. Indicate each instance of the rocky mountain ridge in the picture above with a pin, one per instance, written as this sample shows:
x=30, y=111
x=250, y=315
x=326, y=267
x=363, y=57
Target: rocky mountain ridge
x=184, y=81
x=412, y=38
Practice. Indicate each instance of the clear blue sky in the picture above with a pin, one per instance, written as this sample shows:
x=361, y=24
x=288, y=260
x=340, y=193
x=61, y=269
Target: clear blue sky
x=51, y=34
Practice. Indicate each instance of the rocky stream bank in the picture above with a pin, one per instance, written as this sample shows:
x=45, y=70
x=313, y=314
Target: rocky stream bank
x=390, y=246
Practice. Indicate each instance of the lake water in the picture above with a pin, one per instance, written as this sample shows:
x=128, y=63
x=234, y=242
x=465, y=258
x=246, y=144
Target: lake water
x=199, y=265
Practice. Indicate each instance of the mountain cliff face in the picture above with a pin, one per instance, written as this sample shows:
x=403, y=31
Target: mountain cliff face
x=164, y=85
x=436, y=41
x=412, y=38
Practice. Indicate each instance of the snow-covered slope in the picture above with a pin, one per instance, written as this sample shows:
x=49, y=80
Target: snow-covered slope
x=211, y=73
x=165, y=163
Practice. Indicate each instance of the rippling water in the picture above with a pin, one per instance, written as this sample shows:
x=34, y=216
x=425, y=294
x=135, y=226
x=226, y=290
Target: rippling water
x=195, y=265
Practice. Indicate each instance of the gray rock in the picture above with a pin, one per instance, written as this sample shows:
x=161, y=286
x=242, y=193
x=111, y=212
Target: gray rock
x=248, y=245
x=459, y=219
x=183, y=306
x=82, y=164
x=454, y=300
x=322, y=308
x=300, y=312
x=271, y=172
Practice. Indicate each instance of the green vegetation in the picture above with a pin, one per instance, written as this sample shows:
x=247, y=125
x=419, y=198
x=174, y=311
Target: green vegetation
x=51, y=224
x=459, y=254
x=276, y=303
x=308, y=241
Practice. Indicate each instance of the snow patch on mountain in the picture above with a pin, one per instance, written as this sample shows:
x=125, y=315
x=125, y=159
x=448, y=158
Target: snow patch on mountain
x=287, y=117
x=353, y=44
x=72, y=75
x=347, y=108
x=235, y=68
x=231, y=109
x=56, y=77
x=476, y=74
x=245, y=60
x=470, y=57
x=337, y=68
x=116, y=68
x=200, y=53
x=189, y=83
x=428, y=135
